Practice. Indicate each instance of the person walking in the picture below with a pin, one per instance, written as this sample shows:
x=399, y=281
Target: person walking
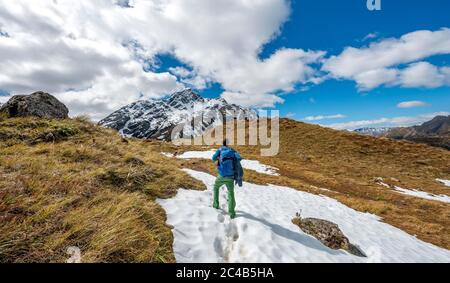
x=230, y=172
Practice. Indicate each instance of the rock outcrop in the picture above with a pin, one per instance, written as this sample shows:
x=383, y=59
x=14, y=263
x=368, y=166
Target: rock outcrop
x=38, y=104
x=327, y=233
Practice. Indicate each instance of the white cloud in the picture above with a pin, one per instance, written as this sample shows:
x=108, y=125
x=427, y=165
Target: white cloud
x=262, y=100
x=92, y=53
x=379, y=63
x=323, y=117
x=387, y=122
x=181, y=72
x=290, y=115
x=256, y=82
x=77, y=51
x=411, y=104
x=424, y=74
x=191, y=78
x=371, y=35
x=374, y=78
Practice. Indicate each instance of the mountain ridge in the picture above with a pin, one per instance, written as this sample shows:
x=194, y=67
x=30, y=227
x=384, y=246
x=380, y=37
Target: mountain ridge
x=435, y=132
x=156, y=119
x=375, y=132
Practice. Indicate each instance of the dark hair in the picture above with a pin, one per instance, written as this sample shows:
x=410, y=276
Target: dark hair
x=225, y=142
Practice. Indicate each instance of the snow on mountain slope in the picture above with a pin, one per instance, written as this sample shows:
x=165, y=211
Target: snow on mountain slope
x=445, y=182
x=417, y=193
x=263, y=232
x=246, y=164
x=156, y=119
x=375, y=132
x=424, y=195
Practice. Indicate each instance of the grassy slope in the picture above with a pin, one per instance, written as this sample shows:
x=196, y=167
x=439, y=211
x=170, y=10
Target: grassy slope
x=312, y=157
x=70, y=183
x=84, y=186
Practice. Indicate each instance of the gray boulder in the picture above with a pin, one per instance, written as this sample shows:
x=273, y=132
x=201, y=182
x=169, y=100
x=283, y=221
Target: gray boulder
x=327, y=233
x=38, y=104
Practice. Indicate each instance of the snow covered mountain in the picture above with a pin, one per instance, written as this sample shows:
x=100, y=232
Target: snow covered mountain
x=157, y=119
x=375, y=132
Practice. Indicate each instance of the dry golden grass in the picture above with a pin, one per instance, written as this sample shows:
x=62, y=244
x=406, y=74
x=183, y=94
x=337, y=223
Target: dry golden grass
x=312, y=157
x=71, y=183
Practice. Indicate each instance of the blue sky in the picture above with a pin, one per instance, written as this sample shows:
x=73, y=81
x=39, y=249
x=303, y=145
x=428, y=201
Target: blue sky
x=330, y=62
x=333, y=25
x=337, y=24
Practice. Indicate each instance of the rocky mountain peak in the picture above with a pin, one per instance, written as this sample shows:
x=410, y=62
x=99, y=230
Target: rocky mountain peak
x=157, y=119
x=439, y=125
x=184, y=98
x=435, y=132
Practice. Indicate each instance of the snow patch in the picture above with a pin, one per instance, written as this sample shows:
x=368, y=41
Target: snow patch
x=247, y=164
x=424, y=195
x=197, y=154
x=168, y=154
x=263, y=231
x=445, y=182
x=259, y=167
x=415, y=193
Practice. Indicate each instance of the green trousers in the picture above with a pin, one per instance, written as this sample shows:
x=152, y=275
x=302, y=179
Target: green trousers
x=229, y=183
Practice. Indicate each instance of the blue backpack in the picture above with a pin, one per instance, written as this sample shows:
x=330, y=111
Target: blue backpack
x=230, y=166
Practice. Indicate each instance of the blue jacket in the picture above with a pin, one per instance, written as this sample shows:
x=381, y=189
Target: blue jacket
x=231, y=168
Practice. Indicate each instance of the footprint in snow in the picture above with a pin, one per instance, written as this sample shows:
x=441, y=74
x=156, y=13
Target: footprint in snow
x=232, y=232
x=218, y=247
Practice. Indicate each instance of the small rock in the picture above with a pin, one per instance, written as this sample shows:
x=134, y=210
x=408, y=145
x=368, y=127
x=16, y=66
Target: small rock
x=50, y=137
x=378, y=180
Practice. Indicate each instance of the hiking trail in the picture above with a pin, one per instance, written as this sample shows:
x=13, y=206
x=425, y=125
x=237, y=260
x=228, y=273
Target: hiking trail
x=263, y=231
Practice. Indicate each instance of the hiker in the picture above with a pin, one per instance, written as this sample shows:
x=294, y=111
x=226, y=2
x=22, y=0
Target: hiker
x=230, y=172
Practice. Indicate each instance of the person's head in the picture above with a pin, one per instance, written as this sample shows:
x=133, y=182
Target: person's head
x=226, y=142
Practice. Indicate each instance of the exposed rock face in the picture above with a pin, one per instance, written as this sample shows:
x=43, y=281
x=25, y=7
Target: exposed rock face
x=327, y=233
x=38, y=104
x=435, y=132
x=156, y=119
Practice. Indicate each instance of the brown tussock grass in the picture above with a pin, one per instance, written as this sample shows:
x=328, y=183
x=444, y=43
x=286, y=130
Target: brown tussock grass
x=71, y=183
x=82, y=186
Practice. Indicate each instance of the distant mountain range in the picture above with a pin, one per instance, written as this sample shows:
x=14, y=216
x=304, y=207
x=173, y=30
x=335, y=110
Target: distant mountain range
x=435, y=132
x=375, y=132
x=156, y=119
